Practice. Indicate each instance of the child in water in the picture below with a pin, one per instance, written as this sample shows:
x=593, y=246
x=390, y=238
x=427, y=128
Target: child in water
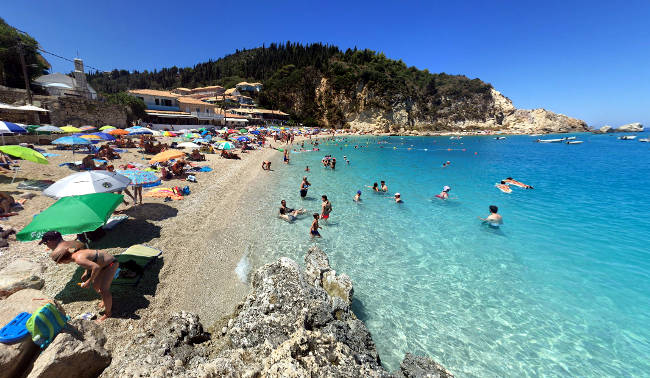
x=307, y=169
x=314, y=227
x=357, y=197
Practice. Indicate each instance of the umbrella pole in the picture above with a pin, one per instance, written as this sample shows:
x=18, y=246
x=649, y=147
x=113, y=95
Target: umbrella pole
x=15, y=173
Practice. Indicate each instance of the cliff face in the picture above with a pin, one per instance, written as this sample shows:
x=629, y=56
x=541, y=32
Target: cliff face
x=368, y=112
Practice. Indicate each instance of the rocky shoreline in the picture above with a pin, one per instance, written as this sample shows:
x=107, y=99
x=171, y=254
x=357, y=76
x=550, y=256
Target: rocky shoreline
x=293, y=323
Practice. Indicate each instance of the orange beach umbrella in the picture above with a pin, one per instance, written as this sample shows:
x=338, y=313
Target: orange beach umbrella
x=118, y=132
x=166, y=155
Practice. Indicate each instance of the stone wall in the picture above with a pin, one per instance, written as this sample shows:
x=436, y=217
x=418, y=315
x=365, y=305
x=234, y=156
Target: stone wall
x=64, y=110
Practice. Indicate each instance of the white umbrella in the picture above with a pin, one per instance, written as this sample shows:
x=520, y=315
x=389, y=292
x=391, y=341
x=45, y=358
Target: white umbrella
x=50, y=128
x=87, y=182
x=188, y=145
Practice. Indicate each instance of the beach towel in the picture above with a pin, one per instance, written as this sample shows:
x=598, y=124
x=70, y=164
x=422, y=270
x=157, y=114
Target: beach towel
x=163, y=193
x=135, y=259
x=35, y=184
x=201, y=169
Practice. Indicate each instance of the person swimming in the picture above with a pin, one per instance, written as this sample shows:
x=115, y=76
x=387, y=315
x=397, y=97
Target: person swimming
x=503, y=187
x=384, y=188
x=374, y=187
x=445, y=193
x=514, y=182
x=493, y=220
x=398, y=198
x=357, y=197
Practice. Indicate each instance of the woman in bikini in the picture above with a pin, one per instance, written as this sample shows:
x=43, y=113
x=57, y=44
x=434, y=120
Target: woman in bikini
x=100, y=266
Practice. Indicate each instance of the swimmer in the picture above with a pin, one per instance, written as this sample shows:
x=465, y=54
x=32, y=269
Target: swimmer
x=326, y=208
x=445, y=193
x=503, y=187
x=357, y=197
x=374, y=187
x=304, y=185
x=384, y=188
x=307, y=169
x=314, y=227
x=514, y=182
x=398, y=198
x=289, y=214
x=493, y=220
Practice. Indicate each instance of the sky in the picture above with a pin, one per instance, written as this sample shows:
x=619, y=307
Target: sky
x=585, y=59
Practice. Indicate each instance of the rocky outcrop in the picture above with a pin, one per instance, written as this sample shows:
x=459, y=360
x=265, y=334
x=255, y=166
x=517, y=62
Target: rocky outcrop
x=77, y=352
x=15, y=358
x=635, y=127
x=290, y=325
x=18, y=275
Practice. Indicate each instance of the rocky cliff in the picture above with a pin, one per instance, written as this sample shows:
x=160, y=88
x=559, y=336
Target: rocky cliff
x=294, y=323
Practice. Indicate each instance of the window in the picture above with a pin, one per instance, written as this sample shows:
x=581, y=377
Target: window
x=198, y=110
x=157, y=102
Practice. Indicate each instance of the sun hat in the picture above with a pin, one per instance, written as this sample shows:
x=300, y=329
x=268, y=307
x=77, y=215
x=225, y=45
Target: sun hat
x=396, y=194
x=446, y=188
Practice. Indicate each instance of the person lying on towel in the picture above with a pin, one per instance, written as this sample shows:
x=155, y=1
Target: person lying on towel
x=100, y=266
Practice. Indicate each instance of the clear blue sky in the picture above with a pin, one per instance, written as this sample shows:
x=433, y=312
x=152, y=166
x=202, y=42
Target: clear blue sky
x=587, y=59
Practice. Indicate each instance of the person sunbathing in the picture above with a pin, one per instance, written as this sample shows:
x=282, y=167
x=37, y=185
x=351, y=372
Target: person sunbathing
x=5, y=163
x=100, y=266
x=196, y=156
x=178, y=168
x=514, y=182
x=88, y=163
x=6, y=203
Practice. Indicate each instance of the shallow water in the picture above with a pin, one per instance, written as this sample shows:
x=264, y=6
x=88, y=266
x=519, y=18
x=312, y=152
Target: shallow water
x=561, y=289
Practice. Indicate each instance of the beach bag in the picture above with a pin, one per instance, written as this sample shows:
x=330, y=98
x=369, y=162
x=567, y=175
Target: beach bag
x=177, y=190
x=45, y=324
x=186, y=190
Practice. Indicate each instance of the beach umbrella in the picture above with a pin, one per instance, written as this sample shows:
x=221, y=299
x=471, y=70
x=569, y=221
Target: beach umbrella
x=118, y=132
x=141, y=178
x=139, y=131
x=87, y=128
x=70, y=129
x=104, y=136
x=90, y=136
x=129, y=129
x=107, y=127
x=72, y=215
x=169, y=134
x=24, y=153
x=244, y=131
x=188, y=145
x=87, y=182
x=166, y=155
x=10, y=128
x=256, y=132
x=71, y=141
x=48, y=129
x=202, y=140
x=226, y=146
x=243, y=139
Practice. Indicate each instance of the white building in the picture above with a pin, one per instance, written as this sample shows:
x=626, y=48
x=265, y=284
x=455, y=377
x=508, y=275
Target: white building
x=58, y=84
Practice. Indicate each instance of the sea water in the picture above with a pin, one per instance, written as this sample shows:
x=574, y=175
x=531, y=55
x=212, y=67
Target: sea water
x=562, y=288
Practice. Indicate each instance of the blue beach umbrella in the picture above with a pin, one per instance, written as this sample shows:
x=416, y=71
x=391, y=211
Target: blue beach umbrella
x=139, y=131
x=141, y=178
x=129, y=129
x=10, y=128
x=255, y=132
x=244, y=139
x=71, y=141
x=104, y=136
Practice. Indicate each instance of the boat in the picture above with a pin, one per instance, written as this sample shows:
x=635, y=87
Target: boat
x=550, y=140
x=570, y=138
x=535, y=134
x=574, y=142
x=456, y=137
x=499, y=138
x=627, y=137
x=646, y=140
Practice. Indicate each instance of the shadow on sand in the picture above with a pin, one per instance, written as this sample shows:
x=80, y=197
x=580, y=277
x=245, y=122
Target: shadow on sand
x=152, y=211
x=128, y=233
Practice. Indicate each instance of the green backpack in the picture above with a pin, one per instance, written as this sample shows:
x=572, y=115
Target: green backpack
x=45, y=324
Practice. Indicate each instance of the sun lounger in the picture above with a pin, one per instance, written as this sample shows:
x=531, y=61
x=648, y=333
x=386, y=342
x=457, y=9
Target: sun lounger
x=135, y=259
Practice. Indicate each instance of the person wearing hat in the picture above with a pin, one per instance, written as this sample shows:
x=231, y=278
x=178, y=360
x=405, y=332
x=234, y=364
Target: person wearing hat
x=398, y=198
x=100, y=266
x=357, y=197
x=445, y=193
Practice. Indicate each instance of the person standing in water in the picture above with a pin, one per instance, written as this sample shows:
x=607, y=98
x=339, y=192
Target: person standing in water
x=326, y=208
x=384, y=188
x=398, y=198
x=493, y=220
x=304, y=185
x=313, y=230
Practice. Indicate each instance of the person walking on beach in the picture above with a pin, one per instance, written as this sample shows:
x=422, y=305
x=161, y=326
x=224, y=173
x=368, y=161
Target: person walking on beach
x=493, y=220
x=326, y=208
x=314, y=227
x=100, y=266
x=304, y=185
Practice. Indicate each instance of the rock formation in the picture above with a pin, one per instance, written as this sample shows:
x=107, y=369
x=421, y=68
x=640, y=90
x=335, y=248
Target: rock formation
x=20, y=274
x=292, y=324
x=635, y=127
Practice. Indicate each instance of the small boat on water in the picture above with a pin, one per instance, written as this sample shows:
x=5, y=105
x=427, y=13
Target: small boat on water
x=570, y=138
x=550, y=140
x=500, y=138
x=574, y=142
x=627, y=137
x=646, y=140
x=456, y=137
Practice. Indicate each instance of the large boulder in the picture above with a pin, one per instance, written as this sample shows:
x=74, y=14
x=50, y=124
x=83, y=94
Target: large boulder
x=20, y=274
x=15, y=358
x=605, y=129
x=419, y=367
x=635, y=127
x=77, y=352
x=320, y=273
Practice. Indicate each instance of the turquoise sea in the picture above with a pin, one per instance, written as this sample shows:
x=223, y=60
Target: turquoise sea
x=562, y=289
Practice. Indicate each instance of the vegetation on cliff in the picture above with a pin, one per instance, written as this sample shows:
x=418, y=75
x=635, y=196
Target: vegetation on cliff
x=319, y=83
x=11, y=71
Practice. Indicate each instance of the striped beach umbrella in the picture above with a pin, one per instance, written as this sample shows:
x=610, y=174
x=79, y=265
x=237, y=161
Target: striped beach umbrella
x=71, y=141
x=87, y=128
x=226, y=146
x=10, y=128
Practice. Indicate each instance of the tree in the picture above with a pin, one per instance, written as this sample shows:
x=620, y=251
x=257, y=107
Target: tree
x=11, y=73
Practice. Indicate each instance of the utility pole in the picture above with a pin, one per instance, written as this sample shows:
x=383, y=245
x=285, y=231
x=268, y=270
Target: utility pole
x=21, y=53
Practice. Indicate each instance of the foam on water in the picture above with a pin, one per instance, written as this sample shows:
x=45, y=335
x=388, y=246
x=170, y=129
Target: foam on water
x=243, y=268
x=561, y=289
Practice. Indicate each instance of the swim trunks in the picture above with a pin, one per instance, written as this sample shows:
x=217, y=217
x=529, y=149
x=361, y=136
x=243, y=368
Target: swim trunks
x=325, y=216
x=303, y=192
x=315, y=233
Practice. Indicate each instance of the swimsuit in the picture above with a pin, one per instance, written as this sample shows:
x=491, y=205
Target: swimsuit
x=315, y=233
x=303, y=192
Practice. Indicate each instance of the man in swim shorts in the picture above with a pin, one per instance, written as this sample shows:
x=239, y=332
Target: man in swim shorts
x=314, y=227
x=304, y=185
x=493, y=220
x=289, y=214
x=326, y=208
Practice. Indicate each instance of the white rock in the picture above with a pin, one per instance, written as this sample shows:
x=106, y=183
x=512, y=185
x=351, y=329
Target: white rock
x=20, y=274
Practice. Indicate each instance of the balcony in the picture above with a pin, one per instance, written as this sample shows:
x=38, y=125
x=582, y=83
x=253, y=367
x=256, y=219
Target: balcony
x=207, y=116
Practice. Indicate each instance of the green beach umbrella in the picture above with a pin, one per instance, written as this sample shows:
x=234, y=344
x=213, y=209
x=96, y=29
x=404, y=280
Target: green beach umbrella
x=107, y=127
x=24, y=153
x=72, y=215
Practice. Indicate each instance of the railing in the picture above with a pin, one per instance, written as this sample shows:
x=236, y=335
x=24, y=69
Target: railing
x=205, y=115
